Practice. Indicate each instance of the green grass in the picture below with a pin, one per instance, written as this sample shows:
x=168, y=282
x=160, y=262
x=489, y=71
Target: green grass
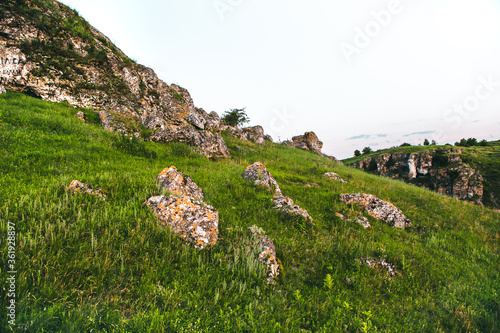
x=90, y=265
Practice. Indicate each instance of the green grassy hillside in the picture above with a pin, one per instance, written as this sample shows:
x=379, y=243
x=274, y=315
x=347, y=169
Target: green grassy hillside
x=90, y=265
x=486, y=159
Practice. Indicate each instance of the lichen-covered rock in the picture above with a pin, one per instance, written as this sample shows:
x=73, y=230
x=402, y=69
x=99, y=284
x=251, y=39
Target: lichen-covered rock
x=377, y=208
x=257, y=174
x=359, y=219
x=379, y=264
x=269, y=138
x=80, y=115
x=2, y=90
x=178, y=183
x=308, y=141
x=286, y=205
x=192, y=220
x=267, y=256
x=254, y=134
x=79, y=187
x=209, y=144
x=334, y=176
x=212, y=121
x=196, y=120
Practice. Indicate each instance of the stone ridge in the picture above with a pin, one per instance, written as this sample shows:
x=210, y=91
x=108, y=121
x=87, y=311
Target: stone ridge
x=48, y=51
x=442, y=171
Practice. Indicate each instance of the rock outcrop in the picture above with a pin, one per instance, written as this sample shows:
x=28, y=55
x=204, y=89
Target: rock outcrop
x=79, y=187
x=187, y=216
x=258, y=175
x=207, y=143
x=192, y=220
x=254, y=134
x=334, y=176
x=267, y=254
x=359, y=219
x=178, y=183
x=309, y=141
x=378, y=209
x=442, y=171
x=47, y=50
x=286, y=205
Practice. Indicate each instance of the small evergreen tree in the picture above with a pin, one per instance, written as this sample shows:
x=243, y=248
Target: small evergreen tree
x=426, y=142
x=434, y=143
x=357, y=153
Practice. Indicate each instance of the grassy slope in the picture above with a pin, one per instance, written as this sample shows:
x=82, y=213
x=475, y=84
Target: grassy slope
x=87, y=264
x=485, y=159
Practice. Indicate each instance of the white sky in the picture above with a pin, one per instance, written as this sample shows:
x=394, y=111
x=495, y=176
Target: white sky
x=423, y=72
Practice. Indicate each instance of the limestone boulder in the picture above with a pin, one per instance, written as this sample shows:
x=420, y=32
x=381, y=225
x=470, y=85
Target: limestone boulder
x=308, y=141
x=334, y=176
x=267, y=254
x=178, y=183
x=378, y=209
x=209, y=144
x=192, y=220
x=287, y=206
x=254, y=134
x=213, y=122
x=258, y=175
x=359, y=219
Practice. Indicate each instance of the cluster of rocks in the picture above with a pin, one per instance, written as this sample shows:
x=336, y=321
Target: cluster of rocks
x=334, y=176
x=100, y=76
x=378, y=209
x=267, y=254
x=442, y=171
x=79, y=187
x=359, y=219
x=258, y=175
x=186, y=214
x=254, y=134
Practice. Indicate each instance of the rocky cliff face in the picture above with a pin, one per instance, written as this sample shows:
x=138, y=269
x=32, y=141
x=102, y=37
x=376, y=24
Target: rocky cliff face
x=47, y=50
x=442, y=171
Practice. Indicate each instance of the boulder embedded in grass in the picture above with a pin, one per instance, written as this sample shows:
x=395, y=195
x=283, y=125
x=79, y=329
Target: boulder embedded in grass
x=192, y=220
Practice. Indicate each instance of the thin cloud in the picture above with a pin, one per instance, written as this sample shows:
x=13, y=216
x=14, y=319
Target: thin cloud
x=419, y=133
x=367, y=136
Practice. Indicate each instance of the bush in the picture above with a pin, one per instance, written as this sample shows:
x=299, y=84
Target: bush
x=367, y=150
x=357, y=153
x=235, y=117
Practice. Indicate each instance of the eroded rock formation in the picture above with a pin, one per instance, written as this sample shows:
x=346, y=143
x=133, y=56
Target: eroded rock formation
x=378, y=209
x=442, y=171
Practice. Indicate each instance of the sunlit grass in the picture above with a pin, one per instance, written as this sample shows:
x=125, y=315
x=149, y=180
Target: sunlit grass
x=86, y=264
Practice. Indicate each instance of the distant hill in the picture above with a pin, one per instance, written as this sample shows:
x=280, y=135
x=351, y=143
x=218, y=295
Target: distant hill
x=466, y=173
